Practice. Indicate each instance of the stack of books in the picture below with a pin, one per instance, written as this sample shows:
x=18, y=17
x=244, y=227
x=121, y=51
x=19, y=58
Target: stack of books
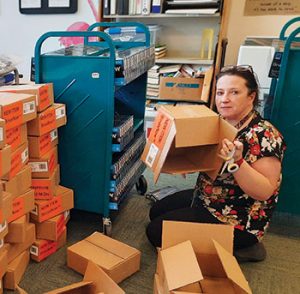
x=160, y=51
x=153, y=82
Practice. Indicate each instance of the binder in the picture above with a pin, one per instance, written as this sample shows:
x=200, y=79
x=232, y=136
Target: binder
x=146, y=7
x=156, y=6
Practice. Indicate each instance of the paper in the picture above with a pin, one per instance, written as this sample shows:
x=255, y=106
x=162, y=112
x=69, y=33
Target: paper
x=58, y=3
x=271, y=7
x=31, y=3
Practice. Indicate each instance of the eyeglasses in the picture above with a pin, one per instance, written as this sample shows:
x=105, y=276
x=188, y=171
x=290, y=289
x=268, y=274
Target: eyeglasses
x=237, y=68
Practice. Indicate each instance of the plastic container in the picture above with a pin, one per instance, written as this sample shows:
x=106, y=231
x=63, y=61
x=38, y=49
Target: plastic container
x=133, y=34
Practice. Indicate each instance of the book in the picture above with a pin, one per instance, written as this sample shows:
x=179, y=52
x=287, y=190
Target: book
x=170, y=68
x=156, y=6
x=146, y=7
x=192, y=11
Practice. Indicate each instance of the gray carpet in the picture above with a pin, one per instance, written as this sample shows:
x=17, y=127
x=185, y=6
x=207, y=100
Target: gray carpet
x=279, y=273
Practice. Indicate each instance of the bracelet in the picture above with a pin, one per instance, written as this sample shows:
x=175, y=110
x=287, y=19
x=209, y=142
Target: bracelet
x=239, y=162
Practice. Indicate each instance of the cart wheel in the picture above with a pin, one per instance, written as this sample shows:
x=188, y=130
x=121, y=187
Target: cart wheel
x=141, y=185
x=107, y=226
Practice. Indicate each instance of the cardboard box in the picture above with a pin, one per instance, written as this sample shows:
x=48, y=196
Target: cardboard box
x=19, y=159
x=38, y=146
x=16, y=136
x=198, y=265
x=17, y=109
x=5, y=161
x=44, y=167
x=46, y=189
x=117, y=259
x=3, y=262
x=95, y=281
x=2, y=133
x=20, y=183
x=43, y=92
x=186, y=139
x=186, y=89
x=52, y=228
x=16, y=270
x=51, y=118
x=17, y=230
x=41, y=249
x=46, y=209
x=22, y=204
x=6, y=210
x=15, y=249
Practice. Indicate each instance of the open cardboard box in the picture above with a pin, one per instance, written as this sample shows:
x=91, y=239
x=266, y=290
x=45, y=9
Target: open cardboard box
x=186, y=89
x=186, y=139
x=197, y=258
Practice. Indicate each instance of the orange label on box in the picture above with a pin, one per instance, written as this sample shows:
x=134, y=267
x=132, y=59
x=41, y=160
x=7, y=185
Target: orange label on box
x=46, y=248
x=47, y=120
x=13, y=137
x=50, y=208
x=160, y=129
x=16, y=164
x=13, y=114
x=41, y=189
x=44, y=97
x=60, y=225
x=18, y=209
x=52, y=161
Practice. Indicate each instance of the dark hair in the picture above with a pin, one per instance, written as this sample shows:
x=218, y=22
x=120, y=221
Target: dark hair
x=245, y=72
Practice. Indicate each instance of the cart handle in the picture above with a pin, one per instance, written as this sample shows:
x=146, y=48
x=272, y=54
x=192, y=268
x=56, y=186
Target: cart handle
x=286, y=26
x=56, y=34
x=124, y=24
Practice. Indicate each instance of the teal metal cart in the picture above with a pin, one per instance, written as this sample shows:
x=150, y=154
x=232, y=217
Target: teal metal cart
x=98, y=81
x=285, y=115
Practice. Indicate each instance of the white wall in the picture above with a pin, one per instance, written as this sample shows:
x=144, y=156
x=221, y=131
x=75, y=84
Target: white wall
x=240, y=26
x=19, y=32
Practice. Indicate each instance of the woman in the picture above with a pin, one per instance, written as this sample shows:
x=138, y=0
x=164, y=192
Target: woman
x=246, y=198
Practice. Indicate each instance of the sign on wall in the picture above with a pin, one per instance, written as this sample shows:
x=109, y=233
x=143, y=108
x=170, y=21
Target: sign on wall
x=272, y=7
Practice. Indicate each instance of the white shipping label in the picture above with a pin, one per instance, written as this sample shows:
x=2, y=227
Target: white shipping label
x=60, y=112
x=34, y=250
x=24, y=155
x=28, y=107
x=1, y=134
x=38, y=166
x=53, y=135
x=3, y=226
x=153, y=150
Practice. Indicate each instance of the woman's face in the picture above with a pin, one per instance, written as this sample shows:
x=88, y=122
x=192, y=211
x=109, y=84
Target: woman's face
x=232, y=99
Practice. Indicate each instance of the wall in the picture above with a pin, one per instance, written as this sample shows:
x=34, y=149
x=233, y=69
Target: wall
x=22, y=30
x=240, y=26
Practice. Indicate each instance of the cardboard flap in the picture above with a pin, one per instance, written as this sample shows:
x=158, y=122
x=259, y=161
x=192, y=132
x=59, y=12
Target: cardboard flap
x=76, y=288
x=101, y=281
x=200, y=235
x=206, y=84
x=192, y=124
x=232, y=268
x=115, y=247
x=228, y=131
x=180, y=265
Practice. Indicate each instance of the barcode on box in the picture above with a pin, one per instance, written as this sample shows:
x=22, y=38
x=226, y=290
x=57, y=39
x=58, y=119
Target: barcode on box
x=34, y=250
x=60, y=112
x=39, y=166
x=1, y=134
x=53, y=135
x=153, y=150
x=28, y=107
x=24, y=155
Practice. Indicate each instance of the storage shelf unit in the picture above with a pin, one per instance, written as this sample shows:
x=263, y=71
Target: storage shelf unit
x=98, y=81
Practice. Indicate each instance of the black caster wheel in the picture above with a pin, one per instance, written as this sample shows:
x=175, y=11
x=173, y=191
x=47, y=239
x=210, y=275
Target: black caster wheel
x=107, y=227
x=141, y=185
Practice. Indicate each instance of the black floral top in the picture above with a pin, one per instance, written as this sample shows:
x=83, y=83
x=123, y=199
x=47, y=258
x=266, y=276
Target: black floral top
x=226, y=200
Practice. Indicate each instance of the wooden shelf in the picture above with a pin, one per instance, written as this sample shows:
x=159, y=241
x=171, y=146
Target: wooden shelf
x=162, y=15
x=183, y=60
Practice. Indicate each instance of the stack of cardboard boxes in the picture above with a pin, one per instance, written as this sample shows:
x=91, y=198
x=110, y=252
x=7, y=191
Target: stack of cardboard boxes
x=30, y=178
